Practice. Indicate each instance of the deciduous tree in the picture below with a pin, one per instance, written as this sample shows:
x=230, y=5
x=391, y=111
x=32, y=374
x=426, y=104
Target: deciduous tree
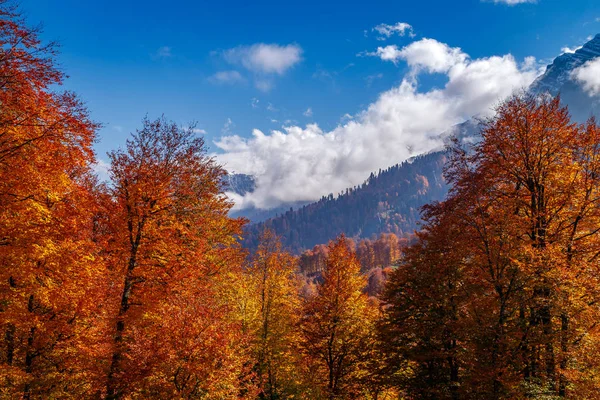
x=337, y=326
x=275, y=291
x=51, y=279
x=171, y=247
x=519, y=236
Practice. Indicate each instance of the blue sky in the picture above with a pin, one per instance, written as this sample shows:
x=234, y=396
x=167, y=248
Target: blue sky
x=193, y=61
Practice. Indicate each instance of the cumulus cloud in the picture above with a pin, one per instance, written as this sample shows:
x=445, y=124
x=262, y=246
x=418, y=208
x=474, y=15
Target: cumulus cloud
x=400, y=28
x=425, y=54
x=226, y=77
x=263, y=61
x=588, y=76
x=433, y=56
x=198, y=131
x=265, y=58
x=303, y=163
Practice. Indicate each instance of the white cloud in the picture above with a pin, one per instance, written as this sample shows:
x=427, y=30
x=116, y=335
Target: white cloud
x=346, y=117
x=568, y=49
x=101, y=168
x=303, y=163
x=387, y=53
x=512, y=2
x=265, y=58
x=195, y=130
x=400, y=28
x=588, y=75
x=271, y=107
x=227, y=77
x=254, y=102
x=308, y=112
x=427, y=54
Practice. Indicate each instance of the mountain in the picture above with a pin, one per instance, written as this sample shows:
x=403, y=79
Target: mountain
x=242, y=184
x=257, y=215
x=557, y=80
x=239, y=183
x=389, y=201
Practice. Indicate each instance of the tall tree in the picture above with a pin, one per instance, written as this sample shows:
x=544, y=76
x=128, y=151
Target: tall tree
x=420, y=330
x=49, y=288
x=519, y=230
x=337, y=326
x=275, y=288
x=171, y=245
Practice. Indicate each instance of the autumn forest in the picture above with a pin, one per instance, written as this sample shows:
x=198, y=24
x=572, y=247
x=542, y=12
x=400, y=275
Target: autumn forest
x=140, y=287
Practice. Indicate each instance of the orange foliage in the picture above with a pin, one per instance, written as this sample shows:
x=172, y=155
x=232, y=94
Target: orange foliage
x=336, y=327
x=504, y=279
x=171, y=244
x=50, y=273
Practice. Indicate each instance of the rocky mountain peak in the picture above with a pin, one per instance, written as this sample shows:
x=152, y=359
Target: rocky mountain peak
x=559, y=72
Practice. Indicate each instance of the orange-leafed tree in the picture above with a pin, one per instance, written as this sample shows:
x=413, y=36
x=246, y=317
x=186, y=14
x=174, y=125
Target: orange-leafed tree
x=424, y=300
x=51, y=277
x=171, y=246
x=530, y=194
x=337, y=327
x=519, y=232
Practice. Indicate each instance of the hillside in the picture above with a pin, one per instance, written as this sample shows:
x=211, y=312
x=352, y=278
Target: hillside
x=558, y=80
x=388, y=201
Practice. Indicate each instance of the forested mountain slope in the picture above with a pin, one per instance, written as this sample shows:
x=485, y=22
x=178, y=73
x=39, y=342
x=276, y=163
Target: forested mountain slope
x=388, y=201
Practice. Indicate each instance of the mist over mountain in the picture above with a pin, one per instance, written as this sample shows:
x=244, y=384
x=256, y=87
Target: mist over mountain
x=389, y=200
x=239, y=183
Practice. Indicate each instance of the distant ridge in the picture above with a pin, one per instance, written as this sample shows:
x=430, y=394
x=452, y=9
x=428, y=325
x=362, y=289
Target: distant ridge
x=557, y=80
x=390, y=200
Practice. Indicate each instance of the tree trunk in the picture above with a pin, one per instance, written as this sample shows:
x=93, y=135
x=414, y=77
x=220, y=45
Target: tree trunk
x=112, y=389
